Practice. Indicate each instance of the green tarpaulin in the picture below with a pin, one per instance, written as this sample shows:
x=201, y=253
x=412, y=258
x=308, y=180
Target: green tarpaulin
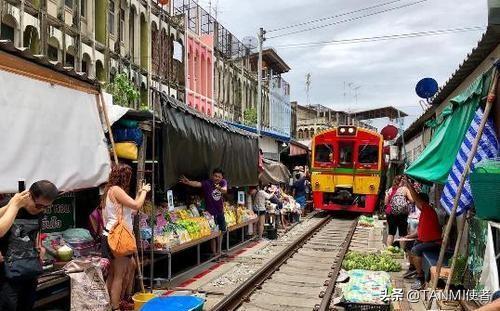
x=435, y=162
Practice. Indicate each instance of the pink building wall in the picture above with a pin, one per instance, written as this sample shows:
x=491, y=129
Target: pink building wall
x=200, y=73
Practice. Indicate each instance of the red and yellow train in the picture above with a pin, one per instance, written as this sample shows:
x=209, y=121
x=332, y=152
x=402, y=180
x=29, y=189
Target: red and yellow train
x=347, y=165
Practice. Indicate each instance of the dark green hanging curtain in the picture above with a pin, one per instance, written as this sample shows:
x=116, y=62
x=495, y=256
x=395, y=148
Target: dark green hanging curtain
x=436, y=161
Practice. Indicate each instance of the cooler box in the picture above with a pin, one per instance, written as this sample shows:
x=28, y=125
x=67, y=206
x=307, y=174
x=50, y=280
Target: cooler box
x=485, y=182
x=174, y=303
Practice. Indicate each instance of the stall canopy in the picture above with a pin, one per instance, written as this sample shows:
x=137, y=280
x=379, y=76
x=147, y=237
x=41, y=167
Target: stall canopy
x=49, y=131
x=274, y=173
x=194, y=144
x=436, y=161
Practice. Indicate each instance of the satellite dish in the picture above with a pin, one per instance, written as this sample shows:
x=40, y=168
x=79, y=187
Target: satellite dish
x=250, y=42
x=426, y=88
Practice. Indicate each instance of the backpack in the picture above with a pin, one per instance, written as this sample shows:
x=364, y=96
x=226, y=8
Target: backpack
x=399, y=205
x=22, y=260
x=96, y=224
x=120, y=239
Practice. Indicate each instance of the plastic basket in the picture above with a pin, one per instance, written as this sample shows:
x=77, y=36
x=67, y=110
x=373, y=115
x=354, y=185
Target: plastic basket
x=358, y=306
x=485, y=182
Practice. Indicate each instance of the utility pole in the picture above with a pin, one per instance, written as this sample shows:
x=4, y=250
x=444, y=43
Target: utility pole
x=308, y=87
x=261, y=39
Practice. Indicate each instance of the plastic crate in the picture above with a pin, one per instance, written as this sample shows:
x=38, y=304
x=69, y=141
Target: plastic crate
x=485, y=182
x=358, y=306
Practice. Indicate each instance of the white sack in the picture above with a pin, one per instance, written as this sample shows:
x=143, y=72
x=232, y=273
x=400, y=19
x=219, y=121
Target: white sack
x=49, y=132
x=489, y=275
x=88, y=288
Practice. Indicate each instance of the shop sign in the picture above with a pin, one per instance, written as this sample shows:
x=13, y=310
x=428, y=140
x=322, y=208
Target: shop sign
x=60, y=215
x=241, y=197
x=170, y=200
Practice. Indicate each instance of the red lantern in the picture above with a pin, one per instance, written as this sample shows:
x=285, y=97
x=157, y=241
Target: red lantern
x=164, y=2
x=389, y=132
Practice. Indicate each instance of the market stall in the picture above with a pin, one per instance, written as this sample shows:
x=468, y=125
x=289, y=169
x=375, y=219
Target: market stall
x=55, y=139
x=177, y=227
x=465, y=137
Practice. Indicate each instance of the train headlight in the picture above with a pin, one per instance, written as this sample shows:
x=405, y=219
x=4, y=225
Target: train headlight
x=372, y=187
x=342, y=130
x=351, y=130
x=316, y=184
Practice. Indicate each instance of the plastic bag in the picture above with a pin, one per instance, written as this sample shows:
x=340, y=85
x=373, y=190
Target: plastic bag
x=489, y=275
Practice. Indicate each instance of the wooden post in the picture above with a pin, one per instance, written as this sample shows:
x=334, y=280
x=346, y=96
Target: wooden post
x=102, y=104
x=455, y=252
x=439, y=264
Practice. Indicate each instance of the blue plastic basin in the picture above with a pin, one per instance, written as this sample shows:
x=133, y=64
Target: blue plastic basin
x=174, y=303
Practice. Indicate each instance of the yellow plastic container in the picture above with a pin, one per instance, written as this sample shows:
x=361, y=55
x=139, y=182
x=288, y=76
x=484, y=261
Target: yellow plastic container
x=140, y=299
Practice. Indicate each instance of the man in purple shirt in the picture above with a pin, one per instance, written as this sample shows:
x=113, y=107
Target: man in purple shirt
x=213, y=191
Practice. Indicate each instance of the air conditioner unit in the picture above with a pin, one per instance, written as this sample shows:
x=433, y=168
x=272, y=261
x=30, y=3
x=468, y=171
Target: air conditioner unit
x=393, y=153
x=493, y=12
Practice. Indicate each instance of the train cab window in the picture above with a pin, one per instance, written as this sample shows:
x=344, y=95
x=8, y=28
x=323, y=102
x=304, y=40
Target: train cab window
x=323, y=153
x=368, y=154
x=345, y=154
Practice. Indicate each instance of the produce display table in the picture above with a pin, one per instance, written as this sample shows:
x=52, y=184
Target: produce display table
x=51, y=289
x=240, y=226
x=168, y=253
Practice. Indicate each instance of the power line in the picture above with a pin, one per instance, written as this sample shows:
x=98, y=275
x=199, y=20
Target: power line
x=332, y=17
x=385, y=37
x=349, y=19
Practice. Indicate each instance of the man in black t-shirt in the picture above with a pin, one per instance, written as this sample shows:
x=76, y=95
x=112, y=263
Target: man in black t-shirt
x=21, y=248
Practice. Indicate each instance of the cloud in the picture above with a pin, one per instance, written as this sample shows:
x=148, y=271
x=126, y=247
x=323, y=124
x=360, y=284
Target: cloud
x=387, y=71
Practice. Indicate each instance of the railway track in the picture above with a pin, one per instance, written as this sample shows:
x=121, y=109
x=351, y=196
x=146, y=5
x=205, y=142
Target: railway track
x=301, y=277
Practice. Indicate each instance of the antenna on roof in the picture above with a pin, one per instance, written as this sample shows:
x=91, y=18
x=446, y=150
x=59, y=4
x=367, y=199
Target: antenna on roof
x=250, y=42
x=308, y=87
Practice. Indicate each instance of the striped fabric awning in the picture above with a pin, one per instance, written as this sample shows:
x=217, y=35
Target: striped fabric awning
x=296, y=150
x=487, y=149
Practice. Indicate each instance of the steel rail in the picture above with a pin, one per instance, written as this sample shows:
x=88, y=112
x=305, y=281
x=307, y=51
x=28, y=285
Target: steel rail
x=243, y=292
x=328, y=294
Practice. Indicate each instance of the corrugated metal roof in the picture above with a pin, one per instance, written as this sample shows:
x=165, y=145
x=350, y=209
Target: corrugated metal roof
x=488, y=42
x=176, y=104
x=9, y=47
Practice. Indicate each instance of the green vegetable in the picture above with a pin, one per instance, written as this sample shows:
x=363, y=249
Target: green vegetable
x=368, y=261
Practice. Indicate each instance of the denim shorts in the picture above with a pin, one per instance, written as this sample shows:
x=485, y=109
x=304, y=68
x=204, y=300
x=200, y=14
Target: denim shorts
x=419, y=247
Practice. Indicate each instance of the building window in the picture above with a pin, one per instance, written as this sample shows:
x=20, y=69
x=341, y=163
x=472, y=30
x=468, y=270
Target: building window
x=7, y=32
x=70, y=60
x=85, y=66
x=69, y=3
x=53, y=53
x=83, y=8
x=111, y=17
x=122, y=25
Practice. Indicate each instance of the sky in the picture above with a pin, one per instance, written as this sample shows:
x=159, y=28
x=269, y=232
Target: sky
x=385, y=72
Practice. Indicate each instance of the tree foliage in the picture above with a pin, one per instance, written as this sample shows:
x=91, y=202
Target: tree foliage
x=123, y=91
x=250, y=116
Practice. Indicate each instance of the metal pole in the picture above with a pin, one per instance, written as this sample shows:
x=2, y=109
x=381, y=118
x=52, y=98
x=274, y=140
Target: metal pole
x=259, y=80
x=487, y=109
x=401, y=132
x=153, y=205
